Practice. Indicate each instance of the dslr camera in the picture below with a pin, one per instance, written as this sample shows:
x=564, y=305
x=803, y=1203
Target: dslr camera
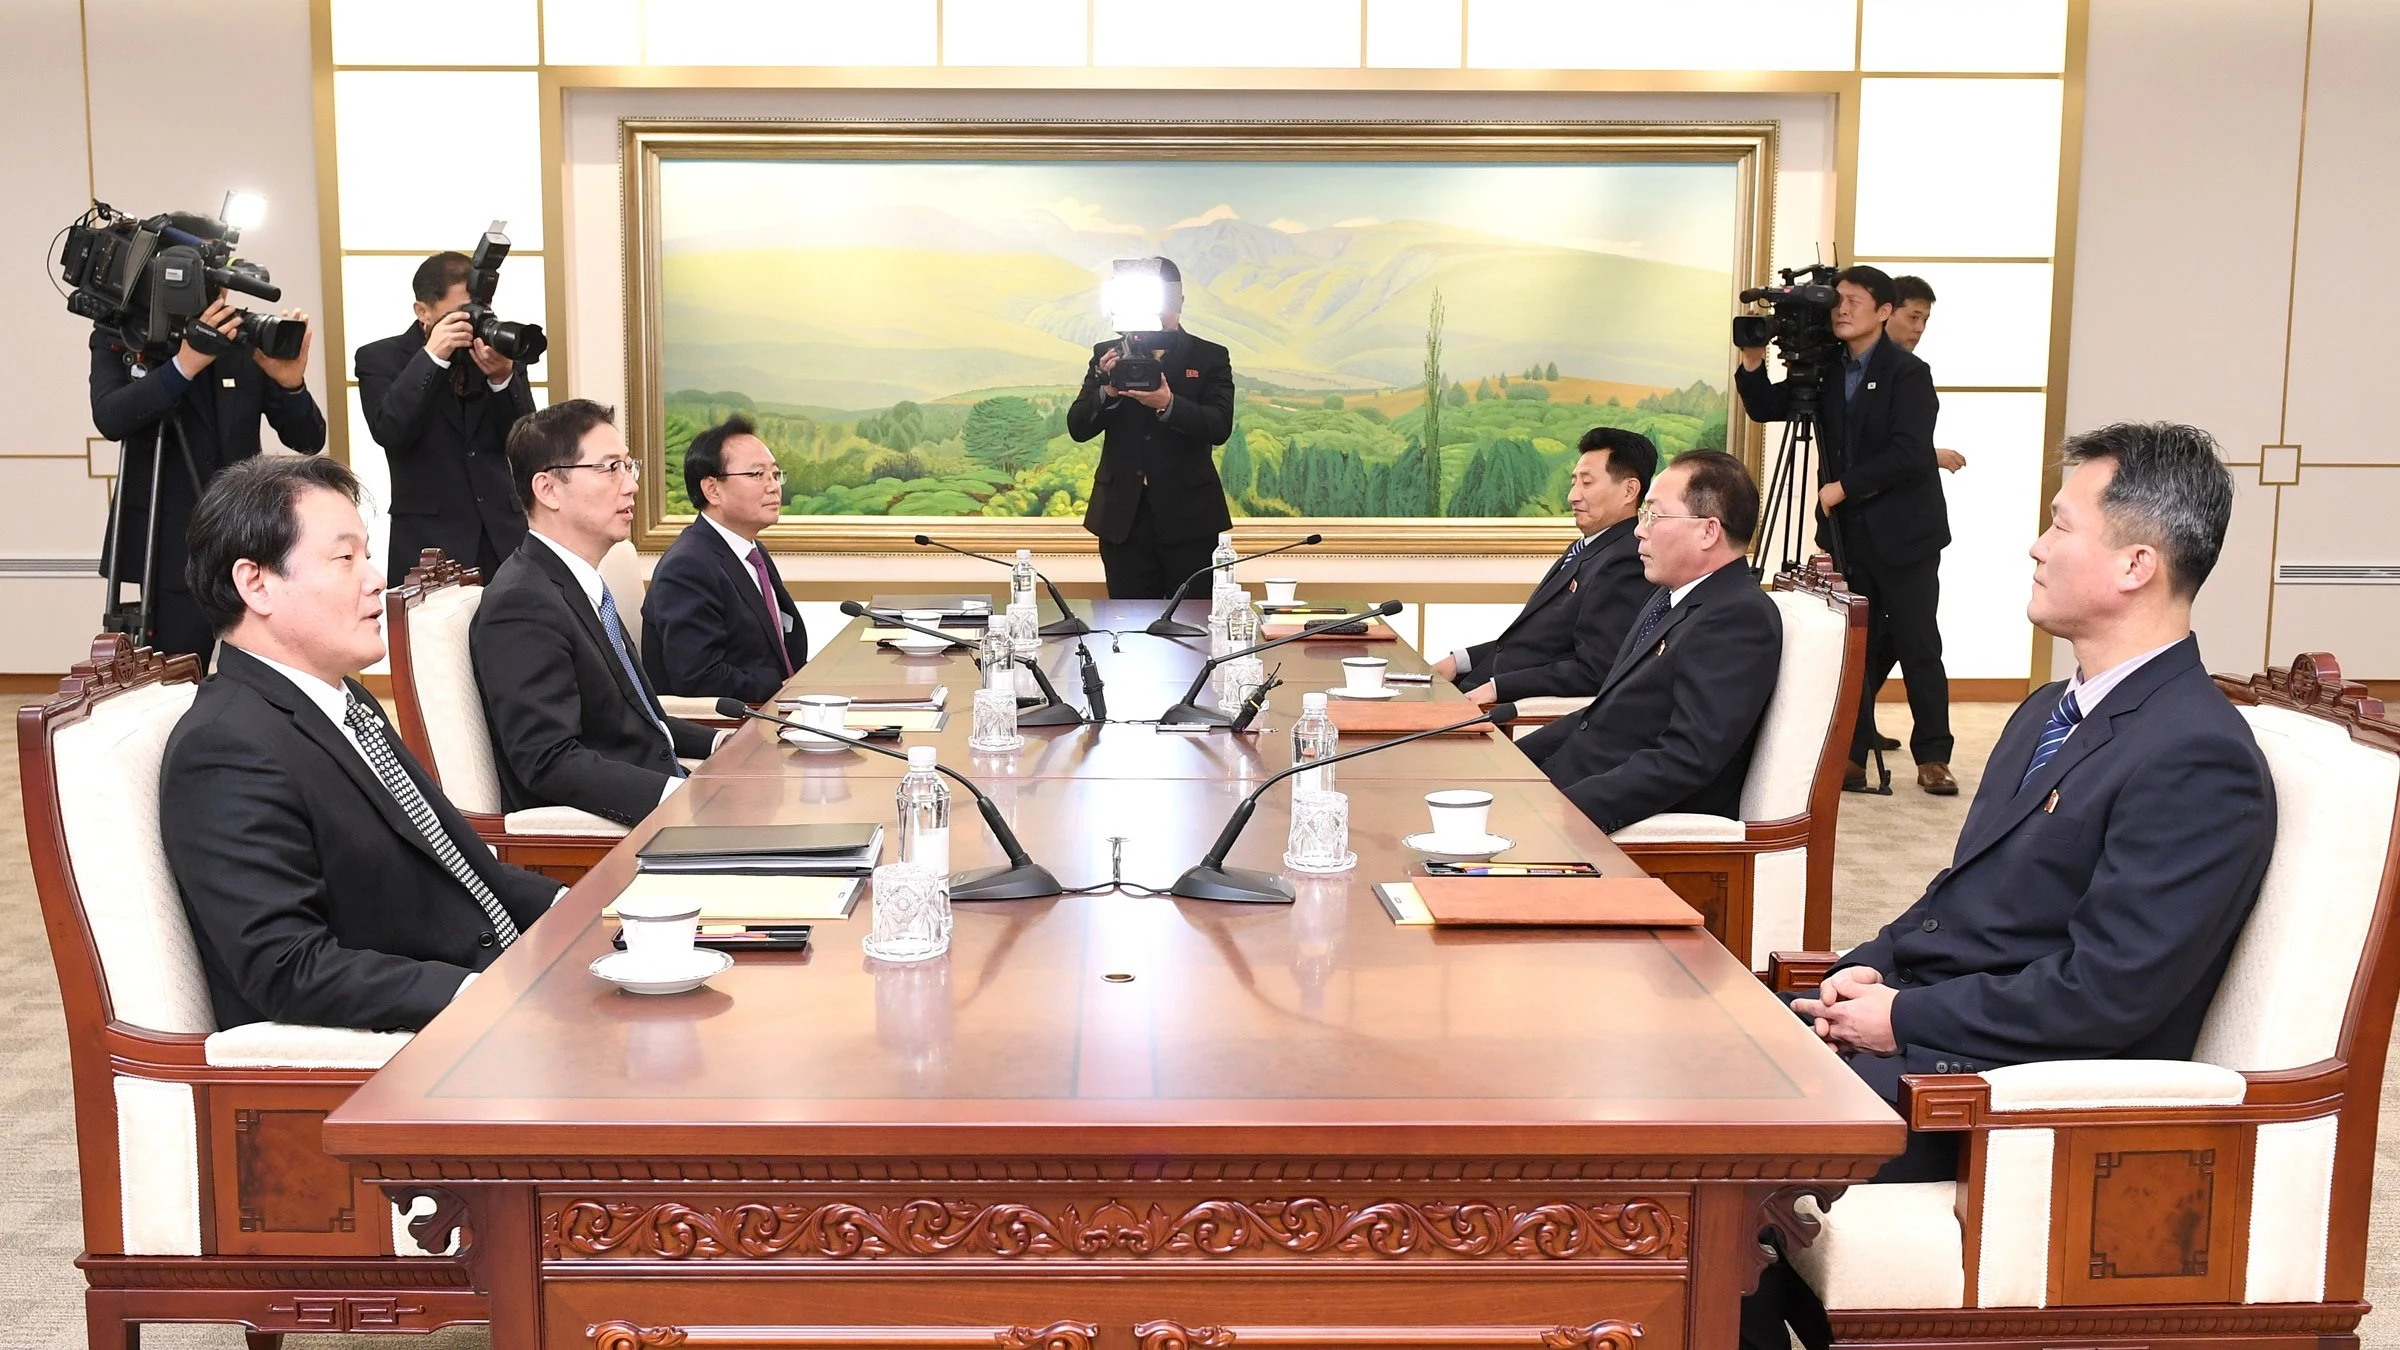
x=1798, y=321
x=521, y=342
x=147, y=280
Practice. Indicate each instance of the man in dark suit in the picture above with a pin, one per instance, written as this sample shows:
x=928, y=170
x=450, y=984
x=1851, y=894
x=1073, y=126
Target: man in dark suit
x=2115, y=847
x=218, y=401
x=717, y=620
x=440, y=403
x=1678, y=710
x=1157, y=503
x=1567, y=635
x=1880, y=507
x=573, y=721
x=327, y=879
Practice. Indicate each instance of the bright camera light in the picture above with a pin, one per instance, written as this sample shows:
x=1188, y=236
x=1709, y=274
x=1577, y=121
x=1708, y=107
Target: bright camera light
x=244, y=210
x=1133, y=301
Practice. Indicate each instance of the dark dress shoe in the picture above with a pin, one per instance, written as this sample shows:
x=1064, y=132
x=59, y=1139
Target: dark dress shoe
x=1854, y=778
x=1883, y=742
x=1936, y=779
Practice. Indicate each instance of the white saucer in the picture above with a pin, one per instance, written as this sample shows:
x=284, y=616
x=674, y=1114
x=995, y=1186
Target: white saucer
x=928, y=647
x=673, y=977
x=1386, y=692
x=811, y=744
x=1481, y=848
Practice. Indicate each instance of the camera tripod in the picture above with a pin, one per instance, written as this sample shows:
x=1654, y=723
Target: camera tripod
x=134, y=618
x=1784, y=518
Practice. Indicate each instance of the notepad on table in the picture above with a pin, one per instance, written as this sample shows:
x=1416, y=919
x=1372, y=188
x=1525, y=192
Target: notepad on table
x=742, y=899
x=870, y=633
x=1553, y=902
x=768, y=849
x=906, y=719
x=930, y=696
x=1376, y=631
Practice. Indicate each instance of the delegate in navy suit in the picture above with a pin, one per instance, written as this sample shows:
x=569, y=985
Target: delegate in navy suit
x=705, y=628
x=1563, y=641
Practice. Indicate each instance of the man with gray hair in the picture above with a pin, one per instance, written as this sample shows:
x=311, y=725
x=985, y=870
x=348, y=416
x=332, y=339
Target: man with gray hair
x=2114, y=849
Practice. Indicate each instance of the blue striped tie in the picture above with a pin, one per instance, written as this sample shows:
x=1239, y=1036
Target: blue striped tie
x=1574, y=551
x=2061, y=725
x=615, y=628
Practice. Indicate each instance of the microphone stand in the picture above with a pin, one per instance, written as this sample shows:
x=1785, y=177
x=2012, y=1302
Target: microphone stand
x=1021, y=878
x=1185, y=710
x=1065, y=625
x=1048, y=711
x=1211, y=879
x=1166, y=626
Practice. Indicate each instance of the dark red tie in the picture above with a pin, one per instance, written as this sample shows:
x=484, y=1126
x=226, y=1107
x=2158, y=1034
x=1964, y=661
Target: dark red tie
x=766, y=593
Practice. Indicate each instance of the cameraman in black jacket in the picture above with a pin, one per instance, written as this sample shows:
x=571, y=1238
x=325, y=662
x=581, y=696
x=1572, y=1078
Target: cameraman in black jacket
x=1880, y=505
x=218, y=401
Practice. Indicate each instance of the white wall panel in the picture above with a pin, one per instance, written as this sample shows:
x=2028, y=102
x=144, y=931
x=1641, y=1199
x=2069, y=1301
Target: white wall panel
x=1450, y=627
x=69, y=508
x=1994, y=504
x=2339, y=515
x=47, y=187
x=1646, y=35
x=789, y=32
x=51, y=623
x=1416, y=33
x=2230, y=613
x=592, y=32
x=1281, y=33
x=1991, y=323
x=423, y=193
x=435, y=33
x=1965, y=35
x=1015, y=32
x=1957, y=168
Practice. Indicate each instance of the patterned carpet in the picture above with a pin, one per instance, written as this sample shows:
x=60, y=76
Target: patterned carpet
x=1889, y=848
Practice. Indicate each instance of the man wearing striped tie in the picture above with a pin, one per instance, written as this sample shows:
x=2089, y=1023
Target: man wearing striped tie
x=573, y=720
x=2116, y=844
x=327, y=879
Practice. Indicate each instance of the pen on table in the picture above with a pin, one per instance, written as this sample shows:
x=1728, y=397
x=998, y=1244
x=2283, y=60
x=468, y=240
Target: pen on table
x=1512, y=870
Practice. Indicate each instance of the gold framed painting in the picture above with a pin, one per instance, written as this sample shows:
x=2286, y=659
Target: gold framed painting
x=1423, y=317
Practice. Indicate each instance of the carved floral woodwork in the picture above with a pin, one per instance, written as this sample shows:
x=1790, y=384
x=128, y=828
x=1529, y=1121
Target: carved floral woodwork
x=1305, y=1226
x=631, y=1336
x=1165, y=1334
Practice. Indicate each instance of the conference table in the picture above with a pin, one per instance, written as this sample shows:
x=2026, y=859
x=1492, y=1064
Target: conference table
x=1121, y=1119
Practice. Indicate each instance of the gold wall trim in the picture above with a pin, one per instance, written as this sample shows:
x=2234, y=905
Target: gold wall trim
x=2062, y=290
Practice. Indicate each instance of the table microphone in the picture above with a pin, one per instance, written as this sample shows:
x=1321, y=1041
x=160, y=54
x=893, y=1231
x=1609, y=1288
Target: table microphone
x=1211, y=879
x=1188, y=711
x=1065, y=625
x=1050, y=711
x=1095, y=694
x=1165, y=626
x=1021, y=878
x=885, y=616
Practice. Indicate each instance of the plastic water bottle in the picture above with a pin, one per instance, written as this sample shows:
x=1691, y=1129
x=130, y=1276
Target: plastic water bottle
x=924, y=813
x=1314, y=737
x=1221, y=585
x=997, y=655
x=1021, y=579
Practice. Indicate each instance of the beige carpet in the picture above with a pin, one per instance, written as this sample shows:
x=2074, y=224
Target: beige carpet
x=1889, y=847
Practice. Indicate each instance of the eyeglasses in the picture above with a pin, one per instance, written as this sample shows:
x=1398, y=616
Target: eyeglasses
x=774, y=477
x=1646, y=515
x=630, y=468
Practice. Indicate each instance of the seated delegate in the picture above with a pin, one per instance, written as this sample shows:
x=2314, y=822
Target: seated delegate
x=1678, y=710
x=1562, y=641
x=327, y=879
x=2114, y=849
x=716, y=620
x=572, y=719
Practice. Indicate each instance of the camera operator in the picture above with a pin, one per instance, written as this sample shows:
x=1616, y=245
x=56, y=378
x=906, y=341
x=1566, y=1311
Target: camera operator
x=1880, y=506
x=440, y=403
x=218, y=401
x=1157, y=503
x=1907, y=327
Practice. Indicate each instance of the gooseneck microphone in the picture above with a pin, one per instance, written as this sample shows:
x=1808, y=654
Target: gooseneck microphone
x=1021, y=878
x=1211, y=879
x=1065, y=625
x=1185, y=710
x=1095, y=694
x=1049, y=711
x=1165, y=626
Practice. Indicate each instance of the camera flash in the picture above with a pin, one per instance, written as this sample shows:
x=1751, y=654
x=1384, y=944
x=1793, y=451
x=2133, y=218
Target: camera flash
x=244, y=210
x=1132, y=301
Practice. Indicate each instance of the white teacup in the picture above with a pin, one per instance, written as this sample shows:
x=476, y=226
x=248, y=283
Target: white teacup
x=658, y=929
x=830, y=712
x=1282, y=590
x=910, y=637
x=1363, y=674
x=1460, y=815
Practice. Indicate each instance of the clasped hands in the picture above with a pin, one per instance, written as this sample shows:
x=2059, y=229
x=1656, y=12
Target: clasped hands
x=1156, y=400
x=1852, y=1011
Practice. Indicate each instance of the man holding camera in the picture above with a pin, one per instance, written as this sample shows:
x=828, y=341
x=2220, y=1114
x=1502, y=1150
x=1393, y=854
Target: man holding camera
x=440, y=401
x=217, y=397
x=1880, y=507
x=1157, y=503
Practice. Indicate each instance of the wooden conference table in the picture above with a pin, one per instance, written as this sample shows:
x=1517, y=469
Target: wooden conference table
x=1124, y=1121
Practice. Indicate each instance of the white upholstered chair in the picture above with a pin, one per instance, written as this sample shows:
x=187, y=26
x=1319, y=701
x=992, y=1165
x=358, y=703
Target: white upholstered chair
x=2222, y=1200
x=206, y=1194
x=1765, y=882
x=426, y=619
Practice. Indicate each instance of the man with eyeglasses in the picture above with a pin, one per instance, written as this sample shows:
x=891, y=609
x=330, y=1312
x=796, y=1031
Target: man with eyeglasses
x=717, y=620
x=573, y=720
x=1678, y=711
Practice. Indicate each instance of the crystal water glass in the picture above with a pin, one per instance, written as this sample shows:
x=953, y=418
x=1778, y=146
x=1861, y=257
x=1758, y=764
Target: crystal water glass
x=1320, y=838
x=911, y=916
x=995, y=721
x=1025, y=629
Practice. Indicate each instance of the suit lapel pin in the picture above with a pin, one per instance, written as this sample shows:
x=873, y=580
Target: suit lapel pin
x=1662, y=648
x=2050, y=807
x=1570, y=587
x=1189, y=374
x=1870, y=384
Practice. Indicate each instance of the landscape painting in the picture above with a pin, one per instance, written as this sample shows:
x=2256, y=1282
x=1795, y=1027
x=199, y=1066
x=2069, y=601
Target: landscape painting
x=1410, y=340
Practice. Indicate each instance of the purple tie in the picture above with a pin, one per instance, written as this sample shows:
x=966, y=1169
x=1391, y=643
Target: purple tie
x=766, y=592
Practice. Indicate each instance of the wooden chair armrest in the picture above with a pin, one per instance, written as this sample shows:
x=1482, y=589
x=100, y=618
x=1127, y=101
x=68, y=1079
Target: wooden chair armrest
x=1963, y=1101
x=1797, y=972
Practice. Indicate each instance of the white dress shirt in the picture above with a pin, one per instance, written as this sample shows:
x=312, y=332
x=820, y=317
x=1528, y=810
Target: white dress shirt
x=741, y=550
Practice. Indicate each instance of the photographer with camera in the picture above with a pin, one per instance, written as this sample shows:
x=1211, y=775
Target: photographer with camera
x=1165, y=400
x=216, y=388
x=440, y=401
x=1880, y=508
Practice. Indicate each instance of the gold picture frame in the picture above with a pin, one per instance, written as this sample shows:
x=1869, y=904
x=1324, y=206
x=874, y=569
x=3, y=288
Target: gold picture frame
x=1749, y=147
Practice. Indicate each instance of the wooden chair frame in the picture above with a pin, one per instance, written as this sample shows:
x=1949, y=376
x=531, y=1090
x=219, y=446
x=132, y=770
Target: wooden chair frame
x=1718, y=877
x=291, y=1241
x=2082, y=1309
x=563, y=857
